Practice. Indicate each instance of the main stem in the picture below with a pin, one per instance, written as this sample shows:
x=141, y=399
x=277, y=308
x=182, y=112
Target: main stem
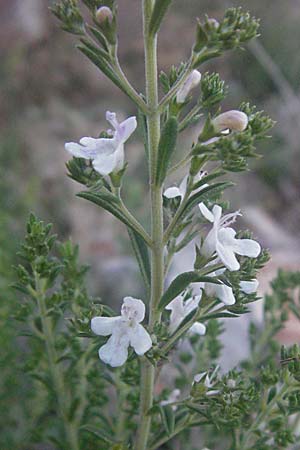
x=157, y=260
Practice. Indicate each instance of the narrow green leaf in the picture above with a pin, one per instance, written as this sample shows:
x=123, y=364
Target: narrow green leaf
x=219, y=316
x=272, y=393
x=98, y=51
x=182, y=282
x=168, y=418
x=110, y=203
x=142, y=256
x=100, y=433
x=166, y=148
x=205, y=194
x=103, y=65
x=99, y=36
x=159, y=11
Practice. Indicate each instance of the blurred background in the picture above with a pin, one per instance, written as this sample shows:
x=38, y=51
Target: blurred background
x=51, y=94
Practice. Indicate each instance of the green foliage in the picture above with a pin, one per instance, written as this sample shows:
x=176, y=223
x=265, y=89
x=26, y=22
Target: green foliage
x=142, y=256
x=213, y=38
x=159, y=10
x=248, y=407
x=59, y=362
x=213, y=90
x=68, y=13
x=180, y=283
x=166, y=148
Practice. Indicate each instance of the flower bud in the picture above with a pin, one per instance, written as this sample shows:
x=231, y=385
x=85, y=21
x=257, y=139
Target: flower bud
x=106, y=21
x=104, y=14
x=233, y=120
x=213, y=23
x=190, y=83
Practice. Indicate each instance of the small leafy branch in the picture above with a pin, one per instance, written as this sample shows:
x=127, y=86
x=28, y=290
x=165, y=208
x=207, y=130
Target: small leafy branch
x=250, y=407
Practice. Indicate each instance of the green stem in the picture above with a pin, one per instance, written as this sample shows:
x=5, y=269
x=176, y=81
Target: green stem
x=71, y=430
x=157, y=260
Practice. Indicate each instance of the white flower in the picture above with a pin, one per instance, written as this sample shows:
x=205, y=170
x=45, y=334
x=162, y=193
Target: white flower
x=208, y=381
x=107, y=154
x=249, y=287
x=180, y=191
x=180, y=309
x=223, y=292
x=175, y=191
x=125, y=330
x=190, y=83
x=173, y=397
x=221, y=239
x=233, y=120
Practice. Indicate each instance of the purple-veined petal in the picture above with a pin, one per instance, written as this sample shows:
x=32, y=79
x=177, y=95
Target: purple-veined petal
x=126, y=128
x=133, y=309
x=111, y=117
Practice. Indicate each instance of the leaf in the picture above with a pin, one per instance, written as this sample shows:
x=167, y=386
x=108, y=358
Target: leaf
x=102, y=54
x=112, y=204
x=102, y=64
x=100, y=433
x=99, y=36
x=180, y=283
x=166, y=148
x=168, y=418
x=159, y=11
x=224, y=315
x=142, y=256
x=205, y=194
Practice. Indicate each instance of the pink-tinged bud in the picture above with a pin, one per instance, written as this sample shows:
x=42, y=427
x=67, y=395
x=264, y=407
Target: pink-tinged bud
x=233, y=120
x=190, y=83
x=104, y=14
x=213, y=23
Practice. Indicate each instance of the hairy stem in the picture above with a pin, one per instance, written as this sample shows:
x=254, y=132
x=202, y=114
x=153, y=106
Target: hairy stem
x=157, y=260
